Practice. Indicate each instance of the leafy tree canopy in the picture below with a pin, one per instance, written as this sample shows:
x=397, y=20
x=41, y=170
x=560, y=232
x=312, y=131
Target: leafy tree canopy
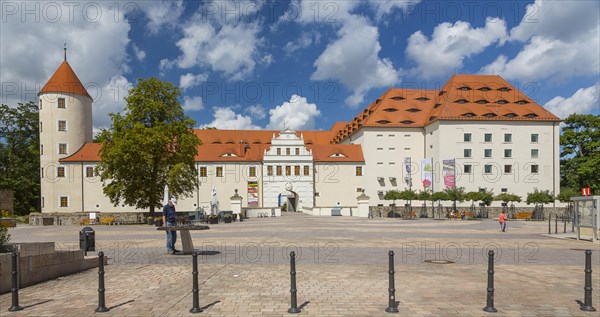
x=151, y=145
x=484, y=196
x=506, y=197
x=455, y=194
x=566, y=194
x=539, y=197
x=580, y=152
x=20, y=155
x=439, y=196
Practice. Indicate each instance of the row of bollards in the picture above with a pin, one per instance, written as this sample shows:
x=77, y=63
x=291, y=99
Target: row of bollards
x=392, y=306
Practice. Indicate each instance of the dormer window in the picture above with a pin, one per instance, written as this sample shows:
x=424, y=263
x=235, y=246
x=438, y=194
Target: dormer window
x=378, y=101
x=484, y=89
x=481, y=101
x=229, y=155
x=504, y=89
x=490, y=115
x=502, y=102
x=390, y=110
x=441, y=93
x=510, y=115
x=531, y=115
x=464, y=88
x=522, y=102
x=398, y=98
x=337, y=155
x=437, y=105
x=422, y=99
x=407, y=122
x=216, y=142
x=461, y=101
x=413, y=110
x=383, y=121
x=468, y=114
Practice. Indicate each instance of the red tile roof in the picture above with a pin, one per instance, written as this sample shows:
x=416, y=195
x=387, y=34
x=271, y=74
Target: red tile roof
x=64, y=80
x=337, y=153
x=89, y=152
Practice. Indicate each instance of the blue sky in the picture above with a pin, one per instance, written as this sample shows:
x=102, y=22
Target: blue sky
x=302, y=64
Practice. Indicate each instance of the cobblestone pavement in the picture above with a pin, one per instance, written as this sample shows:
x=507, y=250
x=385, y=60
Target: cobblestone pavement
x=342, y=269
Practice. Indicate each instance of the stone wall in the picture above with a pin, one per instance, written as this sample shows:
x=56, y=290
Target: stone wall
x=76, y=218
x=493, y=212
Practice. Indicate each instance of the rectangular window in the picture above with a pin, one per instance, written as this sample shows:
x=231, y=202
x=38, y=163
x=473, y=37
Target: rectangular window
x=468, y=169
x=359, y=171
x=60, y=171
x=40, y=104
x=535, y=153
x=406, y=149
x=203, y=171
x=507, y=169
x=467, y=137
x=504, y=190
x=392, y=163
x=306, y=170
x=252, y=171
x=287, y=151
x=380, y=135
x=507, y=137
x=62, y=148
x=41, y=149
x=297, y=170
x=487, y=169
x=42, y=172
x=507, y=153
x=392, y=135
x=269, y=170
x=535, y=169
x=467, y=152
x=41, y=127
x=278, y=170
x=61, y=103
x=297, y=151
x=392, y=149
x=219, y=171
x=43, y=202
x=89, y=171
x=278, y=151
x=487, y=137
x=379, y=149
x=62, y=125
x=534, y=138
x=288, y=170
x=487, y=153
x=64, y=201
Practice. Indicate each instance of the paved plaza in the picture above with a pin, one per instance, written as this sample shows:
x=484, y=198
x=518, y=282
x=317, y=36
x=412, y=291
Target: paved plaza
x=342, y=269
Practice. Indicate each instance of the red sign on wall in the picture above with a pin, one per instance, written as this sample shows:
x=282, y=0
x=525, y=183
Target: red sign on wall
x=586, y=191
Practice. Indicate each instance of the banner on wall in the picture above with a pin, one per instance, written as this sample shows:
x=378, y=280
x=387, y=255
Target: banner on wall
x=427, y=173
x=252, y=193
x=449, y=173
x=408, y=171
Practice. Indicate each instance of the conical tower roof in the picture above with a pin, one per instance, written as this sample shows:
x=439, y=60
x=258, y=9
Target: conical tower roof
x=64, y=80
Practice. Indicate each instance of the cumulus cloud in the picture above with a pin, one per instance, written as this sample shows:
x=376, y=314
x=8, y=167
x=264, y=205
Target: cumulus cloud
x=257, y=111
x=450, y=44
x=584, y=100
x=161, y=14
x=192, y=103
x=384, y=8
x=226, y=119
x=353, y=59
x=305, y=40
x=296, y=114
x=139, y=53
x=190, y=80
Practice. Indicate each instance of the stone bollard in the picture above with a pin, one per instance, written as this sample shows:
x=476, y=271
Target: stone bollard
x=587, y=298
x=490, y=284
x=101, y=305
x=15, y=284
x=195, y=301
x=391, y=288
x=294, y=307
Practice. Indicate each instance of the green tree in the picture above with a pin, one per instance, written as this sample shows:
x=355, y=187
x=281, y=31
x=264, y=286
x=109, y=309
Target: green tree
x=484, y=196
x=437, y=196
x=506, y=198
x=566, y=194
x=455, y=194
x=392, y=195
x=407, y=195
x=580, y=152
x=20, y=155
x=539, y=197
x=152, y=145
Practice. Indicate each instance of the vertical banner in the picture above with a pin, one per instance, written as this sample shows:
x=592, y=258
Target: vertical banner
x=448, y=172
x=427, y=173
x=408, y=170
x=252, y=193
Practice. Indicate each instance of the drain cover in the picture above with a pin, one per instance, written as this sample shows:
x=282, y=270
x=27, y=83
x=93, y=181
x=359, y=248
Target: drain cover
x=439, y=261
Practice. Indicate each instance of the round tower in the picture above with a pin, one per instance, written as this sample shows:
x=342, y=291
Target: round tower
x=65, y=112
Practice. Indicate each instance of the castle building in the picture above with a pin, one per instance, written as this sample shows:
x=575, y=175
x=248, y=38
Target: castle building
x=478, y=132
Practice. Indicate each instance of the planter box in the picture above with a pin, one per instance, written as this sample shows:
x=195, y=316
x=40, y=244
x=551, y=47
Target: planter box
x=213, y=221
x=227, y=220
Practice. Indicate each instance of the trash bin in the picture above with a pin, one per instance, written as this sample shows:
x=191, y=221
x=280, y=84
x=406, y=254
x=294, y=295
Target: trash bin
x=87, y=240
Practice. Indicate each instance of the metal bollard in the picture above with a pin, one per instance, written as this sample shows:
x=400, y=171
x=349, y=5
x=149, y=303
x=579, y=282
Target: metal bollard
x=15, y=284
x=294, y=309
x=101, y=305
x=587, y=298
x=564, y=224
x=195, y=302
x=556, y=224
x=549, y=224
x=392, y=290
x=490, y=287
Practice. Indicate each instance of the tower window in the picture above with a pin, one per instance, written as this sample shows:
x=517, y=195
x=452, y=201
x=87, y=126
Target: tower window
x=487, y=169
x=62, y=148
x=507, y=153
x=61, y=103
x=468, y=168
x=535, y=153
x=507, y=169
x=41, y=127
x=467, y=152
x=487, y=137
x=507, y=137
x=487, y=153
x=467, y=137
x=62, y=125
x=269, y=170
x=534, y=138
x=203, y=171
x=60, y=171
x=40, y=104
x=89, y=171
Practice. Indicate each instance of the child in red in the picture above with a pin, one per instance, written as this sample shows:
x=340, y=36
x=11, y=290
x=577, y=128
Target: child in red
x=502, y=220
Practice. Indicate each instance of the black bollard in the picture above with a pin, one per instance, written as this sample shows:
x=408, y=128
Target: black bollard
x=564, y=224
x=101, y=305
x=587, y=298
x=195, y=301
x=392, y=290
x=294, y=309
x=550, y=224
x=556, y=224
x=15, y=284
x=490, y=287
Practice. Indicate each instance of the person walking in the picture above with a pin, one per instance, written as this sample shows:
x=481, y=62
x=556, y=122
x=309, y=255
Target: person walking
x=170, y=220
x=502, y=220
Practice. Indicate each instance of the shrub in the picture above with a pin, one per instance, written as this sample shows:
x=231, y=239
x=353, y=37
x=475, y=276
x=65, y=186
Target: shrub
x=4, y=236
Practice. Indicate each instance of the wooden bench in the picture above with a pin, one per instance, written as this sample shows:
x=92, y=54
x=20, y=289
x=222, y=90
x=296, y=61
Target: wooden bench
x=107, y=221
x=85, y=221
x=8, y=223
x=523, y=215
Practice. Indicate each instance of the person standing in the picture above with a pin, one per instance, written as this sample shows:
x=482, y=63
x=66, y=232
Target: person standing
x=502, y=220
x=170, y=220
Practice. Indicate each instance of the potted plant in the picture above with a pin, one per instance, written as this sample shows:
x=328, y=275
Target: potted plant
x=227, y=218
x=213, y=219
x=150, y=220
x=158, y=221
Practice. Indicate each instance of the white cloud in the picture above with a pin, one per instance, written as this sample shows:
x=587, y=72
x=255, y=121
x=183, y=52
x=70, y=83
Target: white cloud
x=354, y=60
x=384, y=8
x=161, y=14
x=584, y=100
x=305, y=40
x=192, y=103
x=139, y=53
x=257, y=111
x=190, y=80
x=97, y=51
x=227, y=119
x=450, y=44
x=311, y=11
x=297, y=114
